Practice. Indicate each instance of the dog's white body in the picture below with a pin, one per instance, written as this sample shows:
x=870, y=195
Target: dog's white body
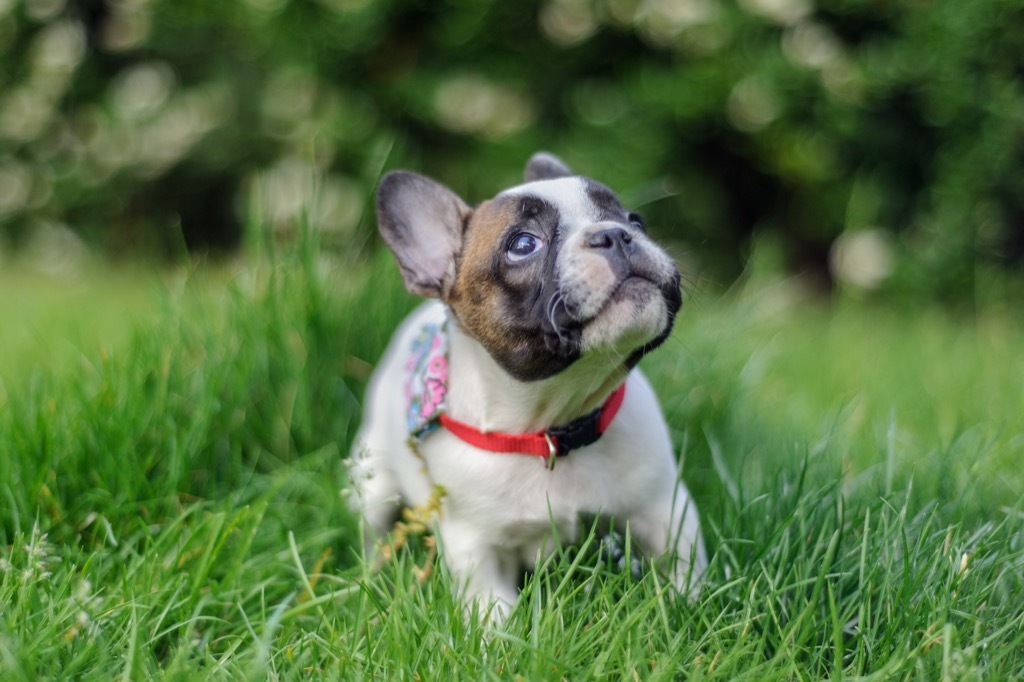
x=500, y=511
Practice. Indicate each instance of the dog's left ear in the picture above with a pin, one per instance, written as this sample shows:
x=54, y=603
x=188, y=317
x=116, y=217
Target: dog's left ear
x=422, y=221
x=544, y=166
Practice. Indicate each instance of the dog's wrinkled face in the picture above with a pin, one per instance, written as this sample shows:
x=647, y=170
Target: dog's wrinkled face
x=556, y=268
x=543, y=273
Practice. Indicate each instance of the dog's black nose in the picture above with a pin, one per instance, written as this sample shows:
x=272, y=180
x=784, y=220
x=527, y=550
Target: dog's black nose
x=610, y=238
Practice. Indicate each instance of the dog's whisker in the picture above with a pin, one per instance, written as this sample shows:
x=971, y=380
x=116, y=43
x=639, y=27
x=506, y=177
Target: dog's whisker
x=554, y=303
x=551, y=309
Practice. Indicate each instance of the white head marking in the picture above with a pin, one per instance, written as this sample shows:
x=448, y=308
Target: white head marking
x=568, y=195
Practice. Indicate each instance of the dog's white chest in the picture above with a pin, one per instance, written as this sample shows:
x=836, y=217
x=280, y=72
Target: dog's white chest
x=522, y=501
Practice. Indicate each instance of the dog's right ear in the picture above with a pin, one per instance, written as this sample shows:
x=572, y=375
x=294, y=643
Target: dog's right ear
x=545, y=166
x=422, y=221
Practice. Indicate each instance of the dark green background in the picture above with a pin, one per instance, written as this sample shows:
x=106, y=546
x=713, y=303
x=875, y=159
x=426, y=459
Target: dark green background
x=143, y=126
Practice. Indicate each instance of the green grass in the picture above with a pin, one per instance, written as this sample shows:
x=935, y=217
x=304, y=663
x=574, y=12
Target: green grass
x=170, y=507
x=51, y=320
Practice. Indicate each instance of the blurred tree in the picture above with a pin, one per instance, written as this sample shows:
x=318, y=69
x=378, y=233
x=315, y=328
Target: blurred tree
x=876, y=144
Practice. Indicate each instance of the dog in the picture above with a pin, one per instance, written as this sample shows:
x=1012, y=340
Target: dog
x=511, y=402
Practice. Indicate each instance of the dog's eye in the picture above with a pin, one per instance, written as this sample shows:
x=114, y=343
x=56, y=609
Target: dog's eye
x=524, y=245
x=637, y=221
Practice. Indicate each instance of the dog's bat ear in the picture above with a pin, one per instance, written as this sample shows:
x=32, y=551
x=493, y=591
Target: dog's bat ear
x=544, y=166
x=422, y=221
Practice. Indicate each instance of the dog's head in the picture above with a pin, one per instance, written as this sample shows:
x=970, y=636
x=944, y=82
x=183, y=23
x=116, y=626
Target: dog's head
x=541, y=274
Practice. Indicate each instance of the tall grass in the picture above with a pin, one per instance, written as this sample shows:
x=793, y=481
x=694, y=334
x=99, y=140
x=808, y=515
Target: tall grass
x=172, y=509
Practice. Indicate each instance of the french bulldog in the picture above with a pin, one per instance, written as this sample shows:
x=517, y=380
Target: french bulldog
x=511, y=403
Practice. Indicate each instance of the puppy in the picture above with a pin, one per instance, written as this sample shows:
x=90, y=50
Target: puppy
x=511, y=402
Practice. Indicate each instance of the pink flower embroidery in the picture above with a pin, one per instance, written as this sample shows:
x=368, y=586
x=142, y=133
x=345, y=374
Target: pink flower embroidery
x=433, y=396
x=426, y=380
x=438, y=367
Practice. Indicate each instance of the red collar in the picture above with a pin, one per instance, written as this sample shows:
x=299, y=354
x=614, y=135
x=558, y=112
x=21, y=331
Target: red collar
x=557, y=440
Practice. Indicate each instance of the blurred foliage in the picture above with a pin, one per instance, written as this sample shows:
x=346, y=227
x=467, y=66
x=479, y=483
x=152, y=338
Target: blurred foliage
x=877, y=144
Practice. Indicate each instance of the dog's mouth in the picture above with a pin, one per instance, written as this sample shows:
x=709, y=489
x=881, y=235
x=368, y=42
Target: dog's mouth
x=567, y=313
x=565, y=320
x=629, y=287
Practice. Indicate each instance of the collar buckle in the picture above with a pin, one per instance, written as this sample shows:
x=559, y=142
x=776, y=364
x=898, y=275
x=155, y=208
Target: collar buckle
x=552, y=452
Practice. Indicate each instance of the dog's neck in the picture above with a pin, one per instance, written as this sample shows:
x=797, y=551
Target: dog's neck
x=487, y=397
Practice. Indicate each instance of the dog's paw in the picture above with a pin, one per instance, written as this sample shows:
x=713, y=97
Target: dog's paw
x=612, y=552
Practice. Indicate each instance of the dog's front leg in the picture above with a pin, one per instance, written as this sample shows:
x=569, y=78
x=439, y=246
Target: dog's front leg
x=486, y=576
x=669, y=531
x=374, y=492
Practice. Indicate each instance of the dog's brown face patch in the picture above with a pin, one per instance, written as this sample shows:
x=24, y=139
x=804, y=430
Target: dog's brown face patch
x=527, y=278
x=502, y=303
